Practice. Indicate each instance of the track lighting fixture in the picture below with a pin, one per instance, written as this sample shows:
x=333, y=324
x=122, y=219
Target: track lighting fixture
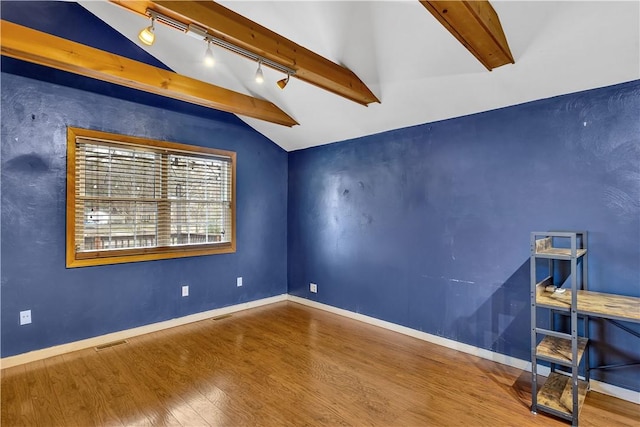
x=259, y=75
x=146, y=35
x=209, y=60
x=282, y=83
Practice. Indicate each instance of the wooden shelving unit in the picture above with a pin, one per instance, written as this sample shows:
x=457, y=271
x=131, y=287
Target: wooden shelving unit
x=564, y=391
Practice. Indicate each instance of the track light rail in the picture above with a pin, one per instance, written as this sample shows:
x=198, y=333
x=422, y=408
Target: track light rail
x=201, y=33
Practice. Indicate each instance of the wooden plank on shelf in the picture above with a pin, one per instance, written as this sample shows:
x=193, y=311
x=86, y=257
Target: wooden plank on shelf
x=559, y=252
x=543, y=244
x=556, y=393
x=598, y=304
x=41, y=48
x=559, y=349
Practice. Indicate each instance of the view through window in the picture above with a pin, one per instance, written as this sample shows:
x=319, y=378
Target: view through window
x=134, y=199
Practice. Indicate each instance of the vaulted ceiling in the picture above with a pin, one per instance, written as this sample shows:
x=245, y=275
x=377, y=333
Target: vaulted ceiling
x=411, y=63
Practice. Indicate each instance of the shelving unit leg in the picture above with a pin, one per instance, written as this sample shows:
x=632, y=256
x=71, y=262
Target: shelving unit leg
x=534, y=368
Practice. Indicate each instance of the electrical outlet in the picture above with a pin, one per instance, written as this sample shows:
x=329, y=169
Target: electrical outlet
x=25, y=317
x=313, y=288
x=239, y=281
x=185, y=290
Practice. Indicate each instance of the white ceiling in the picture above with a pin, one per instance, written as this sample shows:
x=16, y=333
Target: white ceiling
x=413, y=65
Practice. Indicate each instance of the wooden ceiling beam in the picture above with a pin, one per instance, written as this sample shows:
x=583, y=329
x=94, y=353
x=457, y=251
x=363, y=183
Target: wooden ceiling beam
x=240, y=31
x=476, y=25
x=41, y=48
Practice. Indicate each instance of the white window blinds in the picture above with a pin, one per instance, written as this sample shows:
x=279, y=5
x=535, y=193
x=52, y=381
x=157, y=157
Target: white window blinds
x=137, y=199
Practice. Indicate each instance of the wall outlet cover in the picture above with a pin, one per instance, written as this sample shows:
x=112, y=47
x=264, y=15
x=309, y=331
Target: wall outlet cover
x=313, y=288
x=25, y=317
x=239, y=281
x=185, y=290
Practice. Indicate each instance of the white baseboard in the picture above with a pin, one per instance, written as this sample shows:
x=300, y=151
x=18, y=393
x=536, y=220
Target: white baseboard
x=597, y=386
x=615, y=391
x=32, y=356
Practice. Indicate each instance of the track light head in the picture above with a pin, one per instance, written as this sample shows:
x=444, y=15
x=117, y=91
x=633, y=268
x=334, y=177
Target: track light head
x=282, y=83
x=209, y=60
x=147, y=35
x=259, y=75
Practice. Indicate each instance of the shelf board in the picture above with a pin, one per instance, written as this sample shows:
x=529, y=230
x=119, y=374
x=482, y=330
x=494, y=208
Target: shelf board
x=544, y=249
x=597, y=304
x=558, y=350
x=556, y=394
x=558, y=253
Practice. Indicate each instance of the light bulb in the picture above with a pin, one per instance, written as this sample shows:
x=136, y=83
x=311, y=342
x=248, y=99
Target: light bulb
x=146, y=35
x=259, y=75
x=209, y=60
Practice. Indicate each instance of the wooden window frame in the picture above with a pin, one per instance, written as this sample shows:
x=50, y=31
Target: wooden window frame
x=118, y=256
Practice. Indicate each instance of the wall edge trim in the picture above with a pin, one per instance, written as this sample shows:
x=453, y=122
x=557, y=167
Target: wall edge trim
x=32, y=356
x=597, y=386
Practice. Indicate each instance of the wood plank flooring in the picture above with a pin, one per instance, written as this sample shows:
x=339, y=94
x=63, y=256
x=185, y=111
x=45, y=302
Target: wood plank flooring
x=280, y=365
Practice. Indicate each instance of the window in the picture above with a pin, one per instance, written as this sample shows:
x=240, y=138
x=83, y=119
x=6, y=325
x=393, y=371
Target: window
x=133, y=199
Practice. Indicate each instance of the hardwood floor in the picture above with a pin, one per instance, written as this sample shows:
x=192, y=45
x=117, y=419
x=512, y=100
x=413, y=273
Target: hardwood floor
x=280, y=365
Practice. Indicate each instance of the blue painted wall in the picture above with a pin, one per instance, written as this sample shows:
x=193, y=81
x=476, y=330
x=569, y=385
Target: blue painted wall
x=428, y=226
x=37, y=105
x=72, y=304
